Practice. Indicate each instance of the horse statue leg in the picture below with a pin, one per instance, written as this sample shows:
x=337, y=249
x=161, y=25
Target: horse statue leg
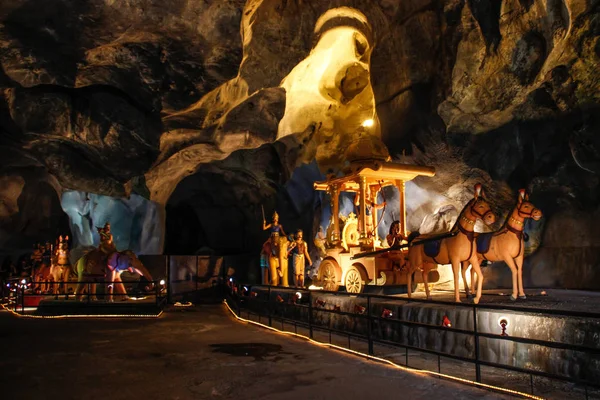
x=413, y=263
x=456, y=271
x=463, y=270
x=425, y=274
x=111, y=285
x=475, y=265
x=519, y=261
x=474, y=278
x=513, y=269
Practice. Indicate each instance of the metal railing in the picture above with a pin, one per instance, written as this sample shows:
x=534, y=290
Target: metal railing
x=245, y=297
x=15, y=292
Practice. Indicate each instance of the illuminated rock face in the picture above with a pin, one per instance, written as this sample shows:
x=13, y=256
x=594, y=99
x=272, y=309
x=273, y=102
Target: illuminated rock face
x=331, y=88
x=150, y=99
x=136, y=223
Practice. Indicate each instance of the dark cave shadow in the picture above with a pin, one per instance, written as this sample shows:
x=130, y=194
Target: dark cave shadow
x=538, y=153
x=40, y=27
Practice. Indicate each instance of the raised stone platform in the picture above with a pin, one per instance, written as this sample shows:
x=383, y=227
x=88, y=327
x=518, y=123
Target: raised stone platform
x=538, y=318
x=71, y=307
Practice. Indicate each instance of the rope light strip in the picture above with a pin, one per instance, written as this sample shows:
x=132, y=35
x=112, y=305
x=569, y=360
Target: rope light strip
x=422, y=372
x=83, y=315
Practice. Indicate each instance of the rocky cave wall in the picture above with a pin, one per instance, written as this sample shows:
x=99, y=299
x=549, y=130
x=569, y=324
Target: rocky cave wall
x=161, y=101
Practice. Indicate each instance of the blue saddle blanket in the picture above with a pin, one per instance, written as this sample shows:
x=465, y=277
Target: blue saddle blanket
x=483, y=242
x=432, y=249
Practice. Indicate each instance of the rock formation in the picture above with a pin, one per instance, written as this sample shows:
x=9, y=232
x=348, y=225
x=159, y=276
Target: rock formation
x=208, y=107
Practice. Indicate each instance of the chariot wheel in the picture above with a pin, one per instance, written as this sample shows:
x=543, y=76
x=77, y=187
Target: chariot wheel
x=350, y=234
x=353, y=281
x=328, y=276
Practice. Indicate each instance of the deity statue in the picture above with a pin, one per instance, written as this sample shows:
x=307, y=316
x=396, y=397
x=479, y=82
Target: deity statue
x=62, y=251
x=370, y=206
x=107, y=245
x=299, y=249
x=274, y=226
x=36, y=256
x=319, y=242
x=271, y=250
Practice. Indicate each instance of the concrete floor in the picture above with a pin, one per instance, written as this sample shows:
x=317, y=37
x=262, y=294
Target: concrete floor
x=192, y=353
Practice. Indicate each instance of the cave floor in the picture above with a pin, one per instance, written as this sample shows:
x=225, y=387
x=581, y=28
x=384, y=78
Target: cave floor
x=199, y=352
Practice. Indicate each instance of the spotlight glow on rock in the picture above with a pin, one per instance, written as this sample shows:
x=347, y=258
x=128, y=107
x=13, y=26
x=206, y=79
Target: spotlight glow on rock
x=368, y=123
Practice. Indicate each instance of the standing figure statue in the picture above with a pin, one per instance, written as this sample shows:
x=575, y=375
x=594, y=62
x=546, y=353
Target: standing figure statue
x=299, y=249
x=60, y=268
x=272, y=249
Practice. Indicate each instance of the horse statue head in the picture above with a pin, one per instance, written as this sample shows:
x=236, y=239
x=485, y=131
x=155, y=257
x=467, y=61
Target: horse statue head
x=526, y=209
x=479, y=208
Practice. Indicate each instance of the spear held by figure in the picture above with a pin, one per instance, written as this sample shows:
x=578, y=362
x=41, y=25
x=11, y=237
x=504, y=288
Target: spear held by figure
x=263, y=214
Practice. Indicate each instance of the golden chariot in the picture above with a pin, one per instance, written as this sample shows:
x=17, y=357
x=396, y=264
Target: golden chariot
x=368, y=169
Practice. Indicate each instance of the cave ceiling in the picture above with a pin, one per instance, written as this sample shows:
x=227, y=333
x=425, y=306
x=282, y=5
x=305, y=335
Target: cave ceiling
x=120, y=97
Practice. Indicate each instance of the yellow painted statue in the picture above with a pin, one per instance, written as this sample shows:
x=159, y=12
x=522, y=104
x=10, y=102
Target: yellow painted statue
x=273, y=260
x=299, y=250
x=271, y=251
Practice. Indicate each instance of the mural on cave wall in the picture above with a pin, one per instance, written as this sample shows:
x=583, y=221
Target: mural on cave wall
x=136, y=223
x=140, y=97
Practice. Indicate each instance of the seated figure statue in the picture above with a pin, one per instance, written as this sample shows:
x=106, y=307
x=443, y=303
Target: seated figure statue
x=107, y=245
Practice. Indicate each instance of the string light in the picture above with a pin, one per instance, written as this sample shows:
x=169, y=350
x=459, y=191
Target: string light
x=84, y=315
x=422, y=372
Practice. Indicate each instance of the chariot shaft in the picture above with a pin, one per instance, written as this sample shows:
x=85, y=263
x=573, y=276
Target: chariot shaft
x=403, y=246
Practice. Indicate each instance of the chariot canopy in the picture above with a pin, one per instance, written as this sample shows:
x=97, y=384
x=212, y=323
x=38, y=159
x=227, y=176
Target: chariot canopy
x=372, y=176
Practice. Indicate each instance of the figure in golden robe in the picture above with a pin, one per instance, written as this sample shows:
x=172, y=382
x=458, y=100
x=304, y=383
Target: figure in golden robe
x=272, y=247
x=299, y=250
x=284, y=244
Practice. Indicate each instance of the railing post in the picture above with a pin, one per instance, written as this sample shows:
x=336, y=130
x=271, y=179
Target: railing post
x=531, y=382
x=238, y=302
x=369, y=326
x=310, y=315
x=23, y=299
x=88, y=292
x=157, y=292
x=269, y=306
x=476, y=340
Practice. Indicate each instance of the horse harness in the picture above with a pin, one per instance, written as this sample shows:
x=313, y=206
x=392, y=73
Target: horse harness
x=520, y=234
x=469, y=234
